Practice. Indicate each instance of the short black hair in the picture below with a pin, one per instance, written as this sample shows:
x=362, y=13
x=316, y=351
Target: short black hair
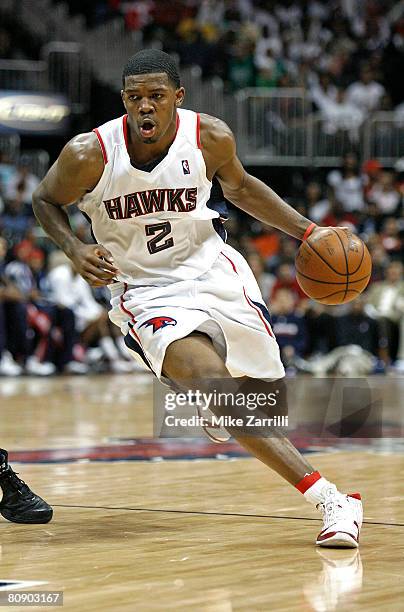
x=150, y=61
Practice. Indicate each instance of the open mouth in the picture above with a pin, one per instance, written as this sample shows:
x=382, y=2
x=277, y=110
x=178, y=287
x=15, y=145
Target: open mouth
x=148, y=128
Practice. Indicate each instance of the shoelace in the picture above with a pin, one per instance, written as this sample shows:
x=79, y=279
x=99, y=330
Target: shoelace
x=13, y=480
x=331, y=509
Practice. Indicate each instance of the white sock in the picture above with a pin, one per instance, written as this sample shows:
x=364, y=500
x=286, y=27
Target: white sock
x=318, y=491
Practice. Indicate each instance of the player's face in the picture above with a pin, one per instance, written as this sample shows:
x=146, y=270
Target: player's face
x=151, y=101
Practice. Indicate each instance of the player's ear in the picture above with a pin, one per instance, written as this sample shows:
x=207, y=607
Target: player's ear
x=123, y=98
x=179, y=96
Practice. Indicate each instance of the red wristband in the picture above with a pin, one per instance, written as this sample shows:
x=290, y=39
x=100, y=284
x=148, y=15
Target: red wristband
x=308, y=231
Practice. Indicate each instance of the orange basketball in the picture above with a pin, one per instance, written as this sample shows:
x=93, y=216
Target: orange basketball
x=333, y=266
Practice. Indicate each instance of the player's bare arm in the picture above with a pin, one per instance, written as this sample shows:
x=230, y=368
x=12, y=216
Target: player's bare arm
x=75, y=173
x=243, y=190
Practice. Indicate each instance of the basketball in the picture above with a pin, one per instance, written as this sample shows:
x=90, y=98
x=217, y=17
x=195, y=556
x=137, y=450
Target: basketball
x=333, y=266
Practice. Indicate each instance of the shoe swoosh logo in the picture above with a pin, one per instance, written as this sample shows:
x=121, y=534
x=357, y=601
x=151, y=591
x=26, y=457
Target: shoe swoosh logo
x=329, y=527
x=326, y=536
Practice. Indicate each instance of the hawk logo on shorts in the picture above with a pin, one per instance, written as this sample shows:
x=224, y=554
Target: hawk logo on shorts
x=159, y=323
x=185, y=166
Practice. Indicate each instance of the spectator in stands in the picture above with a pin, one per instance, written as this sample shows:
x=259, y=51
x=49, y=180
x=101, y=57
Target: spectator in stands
x=269, y=47
x=269, y=65
x=68, y=289
x=371, y=170
x=285, y=255
x=267, y=242
x=393, y=62
x=323, y=85
x=63, y=336
x=8, y=294
x=356, y=327
x=370, y=222
x=264, y=279
x=347, y=184
x=7, y=170
x=391, y=239
x=16, y=220
x=380, y=261
x=241, y=68
x=289, y=327
x=317, y=205
x=385, y=303
x=338, y=216
x=210, y=12
x=365, y=94
x=286, y=279
x=357, y=344
x=192, y=46
x=339, y=115
x=22, y=184
x=385, y=195
x=19, y=273
x=321, y=329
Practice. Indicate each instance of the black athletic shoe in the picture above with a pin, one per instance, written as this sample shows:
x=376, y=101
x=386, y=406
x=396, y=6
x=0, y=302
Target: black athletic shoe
x=19, y=503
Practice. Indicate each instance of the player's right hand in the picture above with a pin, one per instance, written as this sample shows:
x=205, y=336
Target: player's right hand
x=95, y=264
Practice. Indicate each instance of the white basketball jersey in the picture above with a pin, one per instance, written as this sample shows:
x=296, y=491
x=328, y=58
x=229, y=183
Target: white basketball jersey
x=156, y=224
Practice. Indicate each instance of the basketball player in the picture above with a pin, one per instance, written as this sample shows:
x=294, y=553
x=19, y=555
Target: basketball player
x=184, y=300
x=19, y=504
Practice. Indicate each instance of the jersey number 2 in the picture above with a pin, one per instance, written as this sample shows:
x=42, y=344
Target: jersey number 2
x=154, y=245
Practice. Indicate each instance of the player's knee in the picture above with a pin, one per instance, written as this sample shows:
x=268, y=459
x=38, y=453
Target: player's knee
x=193, y=359
x=195, y=369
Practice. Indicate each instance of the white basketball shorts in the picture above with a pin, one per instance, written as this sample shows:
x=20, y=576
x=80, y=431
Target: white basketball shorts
x=225, y=303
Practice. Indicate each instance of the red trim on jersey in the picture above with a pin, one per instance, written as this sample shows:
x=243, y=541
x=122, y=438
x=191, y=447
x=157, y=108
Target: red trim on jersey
x=258, y=311
x=230, y=261
x=198, y=131
x=177, y=125
x=249, y=301
x=131, y=330
x=103, y=149
x=125, y=129
x=308, y=481
x=130, y=315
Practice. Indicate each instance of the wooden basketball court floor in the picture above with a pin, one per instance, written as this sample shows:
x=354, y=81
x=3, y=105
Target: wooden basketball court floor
x=143, y=524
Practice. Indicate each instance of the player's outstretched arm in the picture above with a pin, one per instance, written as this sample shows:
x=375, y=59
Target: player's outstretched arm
x=76, y=172
x=243, y=190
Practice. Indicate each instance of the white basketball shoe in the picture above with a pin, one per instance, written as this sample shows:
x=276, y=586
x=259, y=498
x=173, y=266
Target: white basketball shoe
x=343, y=516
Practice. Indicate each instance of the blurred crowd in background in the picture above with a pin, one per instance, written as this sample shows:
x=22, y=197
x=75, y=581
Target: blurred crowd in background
x=52, y=321
x=349, y=56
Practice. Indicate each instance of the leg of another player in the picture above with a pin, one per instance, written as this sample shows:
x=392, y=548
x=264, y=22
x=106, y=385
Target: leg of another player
x=194, y=358
x=18, y=503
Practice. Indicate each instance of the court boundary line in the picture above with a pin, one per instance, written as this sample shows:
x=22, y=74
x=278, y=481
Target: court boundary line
x=205, y=513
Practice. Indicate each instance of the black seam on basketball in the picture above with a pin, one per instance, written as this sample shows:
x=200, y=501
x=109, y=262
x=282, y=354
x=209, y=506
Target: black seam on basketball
x=322, y=258
x=346, y=262
x=331, y=282
x=360, y=263
x=322, y=297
